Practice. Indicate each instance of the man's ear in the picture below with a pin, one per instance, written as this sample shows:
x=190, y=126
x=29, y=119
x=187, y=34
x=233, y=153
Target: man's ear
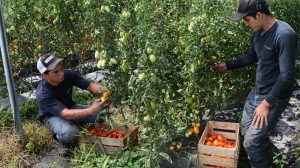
x=259, y=15
x=44, y=75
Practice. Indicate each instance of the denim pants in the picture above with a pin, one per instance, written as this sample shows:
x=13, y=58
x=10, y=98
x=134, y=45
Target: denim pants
x=67, y=131
x=256, y=139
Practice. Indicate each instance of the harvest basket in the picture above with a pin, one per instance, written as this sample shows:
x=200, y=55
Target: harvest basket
x=109, y=145
x=216, y=156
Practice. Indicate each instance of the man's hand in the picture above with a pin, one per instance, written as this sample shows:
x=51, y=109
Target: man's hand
x=95, y=88
x=98, y=106
x=220, y=67
x=104, y=104
x=261, y=114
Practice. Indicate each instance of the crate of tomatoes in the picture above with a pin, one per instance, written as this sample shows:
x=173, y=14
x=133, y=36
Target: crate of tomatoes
x=111, y=138
x=219, y=145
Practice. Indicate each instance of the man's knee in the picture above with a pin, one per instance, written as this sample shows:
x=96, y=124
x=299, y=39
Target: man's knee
x=68, y=135
x=248, y=143
x=254, y=142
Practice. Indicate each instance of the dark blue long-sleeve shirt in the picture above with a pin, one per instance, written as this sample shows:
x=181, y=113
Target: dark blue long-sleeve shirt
x=275, y=54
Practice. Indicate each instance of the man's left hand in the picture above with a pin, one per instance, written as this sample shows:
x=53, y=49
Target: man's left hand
x=261, y=114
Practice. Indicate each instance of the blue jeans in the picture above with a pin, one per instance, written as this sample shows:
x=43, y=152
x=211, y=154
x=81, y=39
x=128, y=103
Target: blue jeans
x=66, y=131
x=256, y=139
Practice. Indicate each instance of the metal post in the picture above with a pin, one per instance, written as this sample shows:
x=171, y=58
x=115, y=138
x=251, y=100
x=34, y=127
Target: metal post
x=8, y=75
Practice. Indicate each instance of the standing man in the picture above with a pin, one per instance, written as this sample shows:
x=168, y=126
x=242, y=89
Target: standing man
x=57, y=111
x=274, y=49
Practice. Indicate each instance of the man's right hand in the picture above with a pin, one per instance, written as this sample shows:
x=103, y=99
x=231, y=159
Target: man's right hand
x=220, y=67
x=98, y=106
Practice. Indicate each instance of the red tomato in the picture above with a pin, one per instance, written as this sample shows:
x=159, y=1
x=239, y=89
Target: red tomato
x=210, y=139
x=221, y=138
x=209, y=143
x=215, y=142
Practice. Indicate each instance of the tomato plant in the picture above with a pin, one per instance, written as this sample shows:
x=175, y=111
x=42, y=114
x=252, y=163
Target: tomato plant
x=159, y=53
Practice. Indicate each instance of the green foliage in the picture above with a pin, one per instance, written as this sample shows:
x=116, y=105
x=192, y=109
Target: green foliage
x=238, y=116
x=280, y=160
x=159, y=53
x=283, y=9
x=298, y=114
x=298, y=149
x=164, y=72
x=6, y=118
x=83, y=97
x=136, y=157
x=28, y=111
x=36, y=137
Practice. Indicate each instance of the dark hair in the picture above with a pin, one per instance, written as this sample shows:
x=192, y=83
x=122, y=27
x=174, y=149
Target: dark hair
x=265, y=11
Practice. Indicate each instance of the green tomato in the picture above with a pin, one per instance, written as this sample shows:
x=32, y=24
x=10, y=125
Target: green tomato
x=142, y=76
x=123, y=40
x=171, y=148
x=153, y=77
x=126, y=14
x=153, y=105
x=56, y=20
x=125, y=65
x=147, y=118
x=105, y=9
x=152, y=58
x=113, y=61
x=124, y=37
x=298, y=114
x=298, y=150
x=101, y=64
x=178, y=145
x=97, y=55
x=189, y=101
x=103, y=54
x=149, y=50
x=145, y=130
x=87, y=3
x=11, y=29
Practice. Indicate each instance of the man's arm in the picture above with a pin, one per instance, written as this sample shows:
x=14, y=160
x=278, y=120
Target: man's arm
x=287, y=48
x=287, y=54
x=247, y=59
x=73, y=114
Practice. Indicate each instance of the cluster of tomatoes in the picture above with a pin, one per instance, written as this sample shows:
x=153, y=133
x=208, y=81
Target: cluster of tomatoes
x=105, y=95
x=219, y=140
x=101, y=132
x=194, y=129
x=175, y=145
x=214, y=166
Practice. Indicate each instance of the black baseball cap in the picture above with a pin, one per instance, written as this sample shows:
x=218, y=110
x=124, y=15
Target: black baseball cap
x=249, y=6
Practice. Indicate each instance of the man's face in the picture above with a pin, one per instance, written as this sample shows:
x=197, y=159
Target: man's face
x=56, y=76
x=252, y=23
